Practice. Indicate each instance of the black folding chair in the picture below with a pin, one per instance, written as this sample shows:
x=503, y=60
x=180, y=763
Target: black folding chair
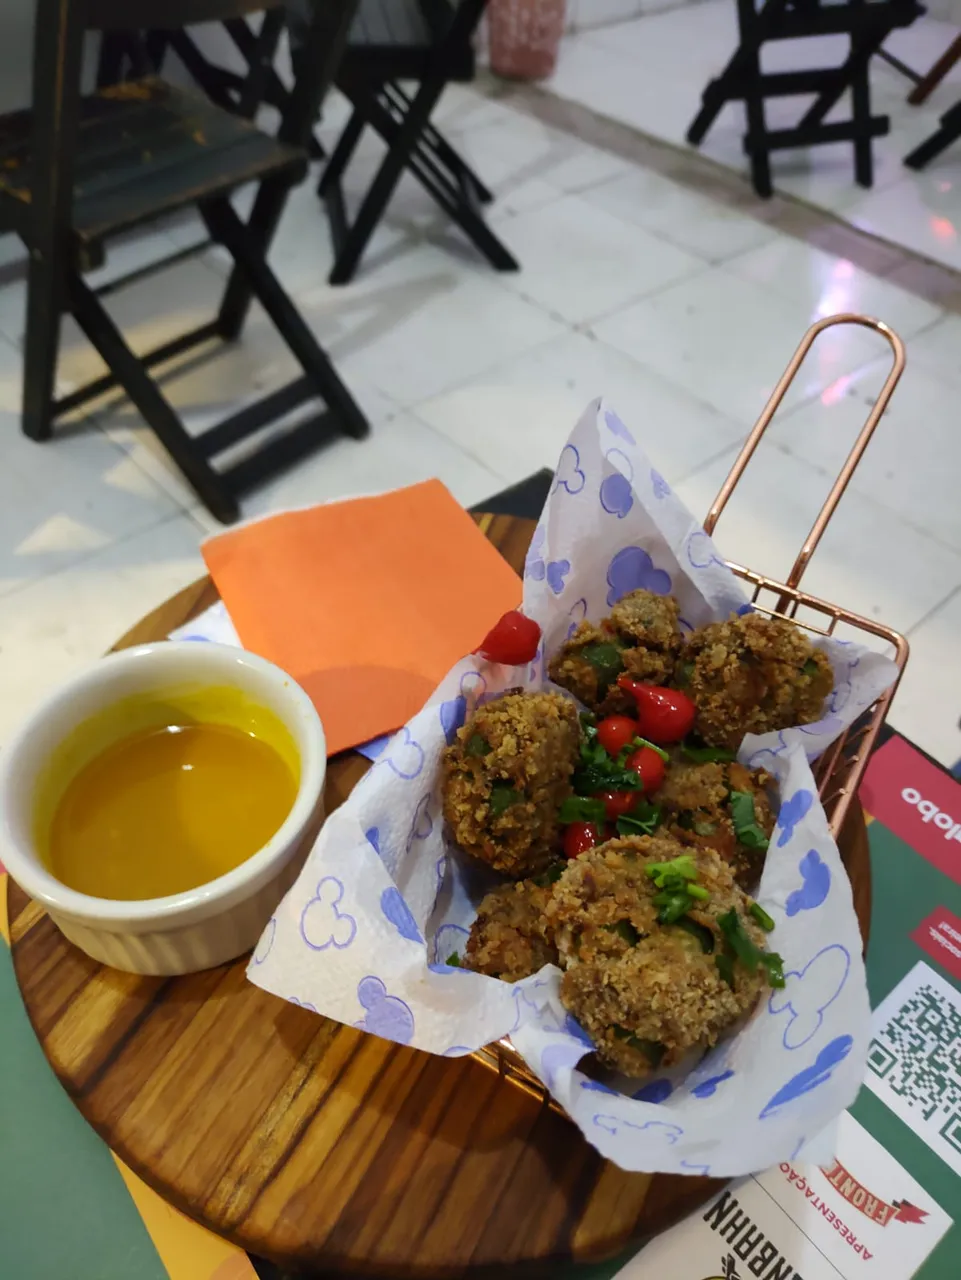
x=867, y=22
x=392, y=42
x=75, y=171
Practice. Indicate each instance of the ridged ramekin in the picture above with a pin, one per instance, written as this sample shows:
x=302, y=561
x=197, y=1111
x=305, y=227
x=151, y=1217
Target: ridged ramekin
x=201, y=927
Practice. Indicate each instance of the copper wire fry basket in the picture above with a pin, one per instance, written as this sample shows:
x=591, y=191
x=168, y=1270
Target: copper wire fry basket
x=838, y=771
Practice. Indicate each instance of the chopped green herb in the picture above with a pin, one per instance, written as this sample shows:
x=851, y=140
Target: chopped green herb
x=761, y=916
x=605, y=658
x=706, y=755
x=682, y=675
x=454, y=960
x=550, y=876
x=725, y=967
x=652, y=1050
x=673, y=906
x=580, y=809
x=597, y=771
x=775, y=968
x=745, y=950
x=477, y=745
x=643, y=820
x=811, y=667
x=636, y=745
x=682, y=866
x=745, y=821
x=704, y=828
x=502, y=797
x=698, y=891
x=704, y=935
x=624, y=929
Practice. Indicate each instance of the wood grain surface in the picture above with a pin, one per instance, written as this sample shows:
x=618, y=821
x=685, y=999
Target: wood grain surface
x=319, y=1146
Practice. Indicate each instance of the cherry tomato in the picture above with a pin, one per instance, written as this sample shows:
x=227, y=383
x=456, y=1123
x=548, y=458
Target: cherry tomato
x=617, y=803
x=648, y=766
x=615, y=732
x=579, y=837
x=663, y=715
x=512, y=640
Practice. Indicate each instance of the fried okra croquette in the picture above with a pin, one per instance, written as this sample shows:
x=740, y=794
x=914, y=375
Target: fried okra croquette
x=641, y=638
x=724, y=807
x=647, y=984
x=505, y=778
x=512, y=937
x=752, y=674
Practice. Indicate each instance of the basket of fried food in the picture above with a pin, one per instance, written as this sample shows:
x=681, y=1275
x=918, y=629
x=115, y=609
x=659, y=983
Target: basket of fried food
x=601, y=844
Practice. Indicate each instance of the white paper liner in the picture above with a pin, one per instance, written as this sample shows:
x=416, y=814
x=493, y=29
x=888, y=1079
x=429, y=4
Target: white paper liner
x=383, y=900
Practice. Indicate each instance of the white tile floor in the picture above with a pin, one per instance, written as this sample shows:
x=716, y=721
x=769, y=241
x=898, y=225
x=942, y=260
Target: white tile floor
x=650, y=73
x=681, y=306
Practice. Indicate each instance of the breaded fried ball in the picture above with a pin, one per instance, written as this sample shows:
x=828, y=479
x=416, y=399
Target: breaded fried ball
x=511, y=937
x=752, y=674
x=647, y=993
x=505, y=778
x=697, y=804
x=640, y=638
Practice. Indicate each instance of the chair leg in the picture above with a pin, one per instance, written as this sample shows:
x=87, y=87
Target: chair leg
x=342, y=153
x=225, y=227
x=948, y=131
x=143, y=391
x=927, y=84
x=41, y=344
x=861, y=114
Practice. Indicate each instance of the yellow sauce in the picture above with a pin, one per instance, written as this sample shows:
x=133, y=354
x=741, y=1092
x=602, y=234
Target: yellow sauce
x=171, y=805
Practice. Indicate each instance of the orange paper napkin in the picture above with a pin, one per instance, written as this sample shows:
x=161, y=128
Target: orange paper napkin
x=366, y=603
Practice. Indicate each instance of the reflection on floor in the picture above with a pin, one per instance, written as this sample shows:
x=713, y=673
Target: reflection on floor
x=649, y=73
x=649, y=277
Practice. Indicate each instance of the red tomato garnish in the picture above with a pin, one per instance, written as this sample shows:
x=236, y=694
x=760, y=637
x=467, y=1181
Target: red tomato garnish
x=663, y=715
x=617, y=803
x=579, y=837
x=648, y=766
x=512, y=640
x=615, y=732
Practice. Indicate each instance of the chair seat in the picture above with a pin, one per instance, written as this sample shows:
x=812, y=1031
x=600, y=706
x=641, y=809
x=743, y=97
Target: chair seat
x=144, y=148
x=395, y=39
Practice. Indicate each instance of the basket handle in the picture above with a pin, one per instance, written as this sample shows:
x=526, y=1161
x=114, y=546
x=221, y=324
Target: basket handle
x=853, y=458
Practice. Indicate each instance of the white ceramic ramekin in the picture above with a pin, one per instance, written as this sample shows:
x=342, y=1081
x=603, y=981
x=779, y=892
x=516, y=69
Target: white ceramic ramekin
x=216, y=921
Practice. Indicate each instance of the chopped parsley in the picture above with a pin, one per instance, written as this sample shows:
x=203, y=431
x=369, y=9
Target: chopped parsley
x=740, y=947
x=580, y=809
x=744, y=817
x=550, y=876
x=643, y=820
x=704, y=935
x=502, y=797
x=811, y=667
x=605, y=657
x=477, y=745
x=453, y=960
x=665, y=874
x=682, y=675
x=651, y=1049
x=761, y=916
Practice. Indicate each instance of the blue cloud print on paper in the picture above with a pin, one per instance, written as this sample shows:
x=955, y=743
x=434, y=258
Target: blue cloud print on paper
x=406, y=755
x=265, y=941
x=659, y=484
x=322, y=923
x=301, y=1004
x=558, y=1057
x=632, y=568
x=765, y=758
x=535, y=567
x=616, y=427
x=615, y=492
x=808, y=992
x=708, y=1088
x=812, y=1077
x=793, y=810
x=815, y=884
x=454, y=712
x=577, y=613
x=448, y=940
x=422, y=824
x=669, y=1133
x=569, y=475
x=386, y=1016
x=398, y=913
x=700, y=551
x=655, y=1091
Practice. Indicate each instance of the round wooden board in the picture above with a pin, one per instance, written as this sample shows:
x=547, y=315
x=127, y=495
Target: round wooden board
x=314, y=1144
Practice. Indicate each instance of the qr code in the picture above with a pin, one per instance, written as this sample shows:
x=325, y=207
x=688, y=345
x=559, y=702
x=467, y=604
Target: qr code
x=915, y=1055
